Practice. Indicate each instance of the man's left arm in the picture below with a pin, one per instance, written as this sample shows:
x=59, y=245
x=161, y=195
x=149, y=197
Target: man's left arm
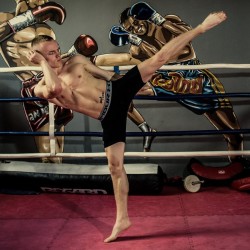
x=99, y=73
x=92, y=69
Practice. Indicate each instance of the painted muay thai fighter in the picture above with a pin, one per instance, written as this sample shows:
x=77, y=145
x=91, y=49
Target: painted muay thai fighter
x=17, y=30
x=147, y=31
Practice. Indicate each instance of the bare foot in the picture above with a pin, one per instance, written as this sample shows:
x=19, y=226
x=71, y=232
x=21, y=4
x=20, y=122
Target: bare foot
x=213, y=19
x=117, y=229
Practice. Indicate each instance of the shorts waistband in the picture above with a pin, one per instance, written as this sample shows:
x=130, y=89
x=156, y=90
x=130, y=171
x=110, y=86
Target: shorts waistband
x=107, y=101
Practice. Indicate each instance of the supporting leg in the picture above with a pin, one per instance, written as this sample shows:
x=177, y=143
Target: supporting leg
x=115, y=155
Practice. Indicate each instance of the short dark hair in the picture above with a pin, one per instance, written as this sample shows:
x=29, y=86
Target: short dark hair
x=41, y=38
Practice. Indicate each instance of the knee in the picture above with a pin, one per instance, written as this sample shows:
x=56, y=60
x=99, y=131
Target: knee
x=115, y=167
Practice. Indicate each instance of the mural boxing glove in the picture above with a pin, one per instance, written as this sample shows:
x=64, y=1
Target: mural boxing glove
x=84, y=45
x=119, y=37
x=48, y=11
x=143, y=11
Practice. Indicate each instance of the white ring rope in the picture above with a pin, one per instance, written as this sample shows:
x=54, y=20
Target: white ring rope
x=187, y=67
x=123, y=68
x=132, y=154
x=16, y=69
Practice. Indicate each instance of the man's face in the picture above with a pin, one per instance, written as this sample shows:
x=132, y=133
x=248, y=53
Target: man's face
x=51, y=52
x=135, y=26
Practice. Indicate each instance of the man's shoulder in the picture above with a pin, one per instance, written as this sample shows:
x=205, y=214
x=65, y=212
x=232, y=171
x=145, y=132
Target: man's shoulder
x=78, y=59
x=71, y=62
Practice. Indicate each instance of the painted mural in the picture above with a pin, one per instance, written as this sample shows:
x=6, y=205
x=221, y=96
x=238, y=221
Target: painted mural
x=146, y=31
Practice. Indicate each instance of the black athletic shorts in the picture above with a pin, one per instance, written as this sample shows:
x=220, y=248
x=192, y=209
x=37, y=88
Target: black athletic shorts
x=123, y=91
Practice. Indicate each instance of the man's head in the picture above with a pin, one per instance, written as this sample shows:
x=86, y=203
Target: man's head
x=131, y=24
x=49, y=49
x=40, y=39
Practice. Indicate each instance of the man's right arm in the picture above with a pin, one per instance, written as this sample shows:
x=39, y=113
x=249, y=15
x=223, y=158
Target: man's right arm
x=51, y=85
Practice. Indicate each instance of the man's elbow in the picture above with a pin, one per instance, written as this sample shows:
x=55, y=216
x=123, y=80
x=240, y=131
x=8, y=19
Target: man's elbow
x=54, y=92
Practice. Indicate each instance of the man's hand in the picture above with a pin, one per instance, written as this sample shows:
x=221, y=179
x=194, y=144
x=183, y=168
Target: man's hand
x=213, y=20
x=35, y=57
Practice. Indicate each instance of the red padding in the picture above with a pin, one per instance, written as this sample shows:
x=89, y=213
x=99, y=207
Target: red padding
x=217, y=173
x=242, y=184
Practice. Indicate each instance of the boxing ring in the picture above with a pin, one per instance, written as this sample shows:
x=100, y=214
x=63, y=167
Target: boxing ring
x=152, y=170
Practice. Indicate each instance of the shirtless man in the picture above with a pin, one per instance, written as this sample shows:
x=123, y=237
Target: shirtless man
x=13, y=48
x=77, y=84
x=147, y=32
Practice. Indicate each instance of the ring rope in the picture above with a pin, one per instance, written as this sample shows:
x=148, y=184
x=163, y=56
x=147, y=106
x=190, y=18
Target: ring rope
x=146, y=97
x=128, y=67
x=187, y=67
x=20, y=99
x=190, y=96
x=140, y=97
x=184, y=154
x=130, y=134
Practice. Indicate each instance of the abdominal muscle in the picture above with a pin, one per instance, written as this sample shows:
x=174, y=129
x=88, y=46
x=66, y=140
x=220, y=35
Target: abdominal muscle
x=81, y=91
